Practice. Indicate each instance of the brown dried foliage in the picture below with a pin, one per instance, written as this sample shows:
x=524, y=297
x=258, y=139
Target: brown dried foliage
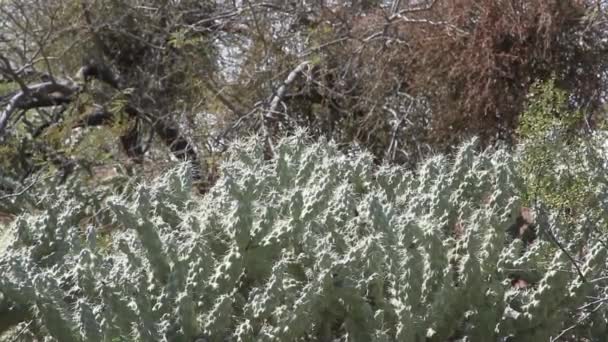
x=479, y=58
x=472, y=60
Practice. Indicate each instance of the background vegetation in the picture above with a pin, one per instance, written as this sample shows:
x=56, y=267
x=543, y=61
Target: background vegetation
x=99, y=95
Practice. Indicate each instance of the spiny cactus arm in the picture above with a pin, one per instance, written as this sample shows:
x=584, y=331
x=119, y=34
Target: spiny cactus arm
x=87, y=323
x=119, y=316
x=146, y=326
x=148, y=235
x=246, y=333
x=186, y=313
x=240, y=220
x=435, y=260
x=227, y=273
x=265, y=300
x=84, y=275
x=51, y=310
x=359, y=316
x=307, y=310
x=218, y=322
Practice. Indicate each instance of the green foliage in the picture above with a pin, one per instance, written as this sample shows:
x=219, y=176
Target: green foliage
x=180, y=39
x=8, y=152
x=117, y=106
x=313, y=245
x=557, y=160
x=91, y=146
x=7, y=87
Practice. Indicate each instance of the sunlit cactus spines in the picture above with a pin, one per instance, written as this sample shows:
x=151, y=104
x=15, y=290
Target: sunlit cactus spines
x=312, y=245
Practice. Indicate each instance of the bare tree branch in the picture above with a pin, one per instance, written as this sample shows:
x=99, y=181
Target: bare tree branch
x=24, y=189
x=280, y=93
x=43, y=94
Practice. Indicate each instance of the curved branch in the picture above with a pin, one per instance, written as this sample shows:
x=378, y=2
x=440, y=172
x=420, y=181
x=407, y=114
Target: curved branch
x=280, y=93
x=38, y=95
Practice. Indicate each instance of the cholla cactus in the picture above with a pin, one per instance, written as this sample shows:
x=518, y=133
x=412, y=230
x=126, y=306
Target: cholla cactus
x=310, y=246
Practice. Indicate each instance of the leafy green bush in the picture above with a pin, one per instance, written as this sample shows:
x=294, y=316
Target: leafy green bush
x=552, y=164
x=561, y=159
x=313, y=245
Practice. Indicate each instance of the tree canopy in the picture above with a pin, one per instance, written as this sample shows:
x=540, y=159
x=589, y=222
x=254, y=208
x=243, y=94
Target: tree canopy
x=139, y=85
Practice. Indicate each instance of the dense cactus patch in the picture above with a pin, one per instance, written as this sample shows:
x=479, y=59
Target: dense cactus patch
x=313, y=245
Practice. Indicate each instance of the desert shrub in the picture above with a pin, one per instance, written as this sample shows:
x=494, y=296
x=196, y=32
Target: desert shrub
x=560, y=153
